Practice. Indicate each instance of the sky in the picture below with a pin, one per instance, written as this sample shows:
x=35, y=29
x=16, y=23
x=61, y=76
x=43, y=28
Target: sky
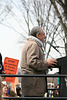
x=10, y=36
x=9, y=43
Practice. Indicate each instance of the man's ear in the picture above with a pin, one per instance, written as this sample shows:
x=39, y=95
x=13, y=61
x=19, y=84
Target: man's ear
x=37, y=35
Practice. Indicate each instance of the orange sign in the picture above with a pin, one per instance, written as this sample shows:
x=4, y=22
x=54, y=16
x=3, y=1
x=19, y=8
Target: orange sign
x=10, y=67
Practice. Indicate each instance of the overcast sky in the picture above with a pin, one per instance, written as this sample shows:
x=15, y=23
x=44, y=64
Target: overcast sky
x=9, y=46
x=9, y=38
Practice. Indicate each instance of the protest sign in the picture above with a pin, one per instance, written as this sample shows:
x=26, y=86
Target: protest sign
x=10, y=67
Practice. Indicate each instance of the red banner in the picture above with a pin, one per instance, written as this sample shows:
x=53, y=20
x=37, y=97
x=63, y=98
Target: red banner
x=10, y=67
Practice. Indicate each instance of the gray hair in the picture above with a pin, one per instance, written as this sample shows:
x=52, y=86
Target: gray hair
x=35, y=30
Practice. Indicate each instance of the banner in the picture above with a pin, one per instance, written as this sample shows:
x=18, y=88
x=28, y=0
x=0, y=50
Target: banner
x=10, y=67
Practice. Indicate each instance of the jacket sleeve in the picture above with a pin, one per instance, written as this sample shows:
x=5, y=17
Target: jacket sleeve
x=33, y=59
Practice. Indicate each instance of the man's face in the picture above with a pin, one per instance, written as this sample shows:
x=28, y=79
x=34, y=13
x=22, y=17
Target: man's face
x=41, y=36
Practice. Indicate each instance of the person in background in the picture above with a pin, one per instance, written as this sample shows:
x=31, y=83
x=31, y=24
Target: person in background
x=6, y=94
x=13, y=94
x=18, y=91
x=1, y=72
x=56, y=92
x=33, y=62
x=4, y=91
x=1, y=65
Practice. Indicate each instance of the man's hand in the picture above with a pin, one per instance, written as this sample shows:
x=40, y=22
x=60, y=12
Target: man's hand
x=51, y=62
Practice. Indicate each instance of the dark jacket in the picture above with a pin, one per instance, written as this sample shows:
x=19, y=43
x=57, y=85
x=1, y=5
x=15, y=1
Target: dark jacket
x=1, y=64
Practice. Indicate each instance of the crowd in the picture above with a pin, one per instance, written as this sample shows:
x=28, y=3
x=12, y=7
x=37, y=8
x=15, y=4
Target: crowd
x=53, y=91
x=8, y=92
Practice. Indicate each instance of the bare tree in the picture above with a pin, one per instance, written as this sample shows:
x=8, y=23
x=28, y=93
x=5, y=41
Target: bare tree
x=62, y=15
x=35, y=12
x=40, y=13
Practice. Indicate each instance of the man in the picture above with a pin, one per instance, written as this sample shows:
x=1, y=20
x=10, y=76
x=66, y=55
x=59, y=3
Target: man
x=33, y=62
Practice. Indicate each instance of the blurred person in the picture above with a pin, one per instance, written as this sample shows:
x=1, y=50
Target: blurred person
x=18, y=91
x=13, y=94
x=33, y=62
x=4, y=91
x=1, y=72
x=1, y=89
x=1, y=65
x=56, y=92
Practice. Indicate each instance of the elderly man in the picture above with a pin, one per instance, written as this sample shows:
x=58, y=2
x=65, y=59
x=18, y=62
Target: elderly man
x=33, y=62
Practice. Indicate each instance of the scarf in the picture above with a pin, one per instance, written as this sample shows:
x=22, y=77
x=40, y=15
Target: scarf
x=36, y=39
x=39, y=41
